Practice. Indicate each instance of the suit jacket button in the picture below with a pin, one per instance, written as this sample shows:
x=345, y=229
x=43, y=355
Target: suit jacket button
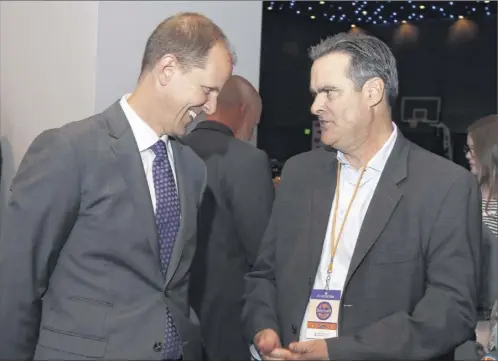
x=158, y=346
x=294, y=329
x=166, y=293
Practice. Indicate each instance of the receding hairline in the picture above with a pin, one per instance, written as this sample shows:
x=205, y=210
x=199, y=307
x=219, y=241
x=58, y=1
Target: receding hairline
x=192, y=28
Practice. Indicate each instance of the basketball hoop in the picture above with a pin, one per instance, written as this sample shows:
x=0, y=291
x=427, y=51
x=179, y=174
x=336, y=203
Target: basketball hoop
x=416, y=110
x=413, y=123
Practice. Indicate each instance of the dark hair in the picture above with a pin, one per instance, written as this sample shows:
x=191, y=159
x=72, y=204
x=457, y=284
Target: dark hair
x=484, y=134
x=370, y=57
x=187, y=36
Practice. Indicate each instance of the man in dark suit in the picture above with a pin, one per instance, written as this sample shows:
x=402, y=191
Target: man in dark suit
x=372, y=250
x=233, y=217
x=101, y=227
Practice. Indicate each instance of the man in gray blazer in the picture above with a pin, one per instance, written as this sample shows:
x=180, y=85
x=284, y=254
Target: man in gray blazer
x=100, y=230
x=373, y=248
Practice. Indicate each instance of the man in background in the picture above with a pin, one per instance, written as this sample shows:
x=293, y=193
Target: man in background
x=233, y=217
x=100, y=231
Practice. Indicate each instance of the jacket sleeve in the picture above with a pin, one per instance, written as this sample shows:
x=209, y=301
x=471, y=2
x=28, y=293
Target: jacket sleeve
x=38, y=219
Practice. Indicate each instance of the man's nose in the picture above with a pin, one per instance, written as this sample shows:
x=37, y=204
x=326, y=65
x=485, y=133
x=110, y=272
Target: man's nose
x=316, y=106
x=210, y=106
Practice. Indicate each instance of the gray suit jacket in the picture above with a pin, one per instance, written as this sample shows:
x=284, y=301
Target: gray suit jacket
x=411, y=289
x=232, y=220
x=79, y=262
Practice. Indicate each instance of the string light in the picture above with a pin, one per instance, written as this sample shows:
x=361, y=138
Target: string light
x=359, y=13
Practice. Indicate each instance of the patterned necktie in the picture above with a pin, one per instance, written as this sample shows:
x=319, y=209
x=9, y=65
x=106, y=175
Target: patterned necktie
x=168, y=223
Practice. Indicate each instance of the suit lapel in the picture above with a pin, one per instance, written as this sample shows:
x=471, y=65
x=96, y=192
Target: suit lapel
x=383, y=203
x=187, y=200
x=323, y=196
x=124, y=146
x=320, y=194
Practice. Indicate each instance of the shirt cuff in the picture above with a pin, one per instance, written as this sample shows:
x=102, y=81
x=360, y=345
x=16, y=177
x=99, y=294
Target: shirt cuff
x=254, y=353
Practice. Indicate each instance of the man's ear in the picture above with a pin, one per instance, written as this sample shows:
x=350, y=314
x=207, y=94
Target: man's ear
x=373, y=91
x=165, y=68
x=243, y=108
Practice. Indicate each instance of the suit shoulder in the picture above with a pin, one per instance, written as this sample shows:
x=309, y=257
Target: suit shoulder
x=71, y=133
x=76, y=131
x=246, y=150
x=436, y=164
x=308, y=160
x=439, y=175
x=58, y=146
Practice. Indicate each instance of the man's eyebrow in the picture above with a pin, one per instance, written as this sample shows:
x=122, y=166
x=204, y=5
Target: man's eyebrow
x=212, y=88
x=324, y=88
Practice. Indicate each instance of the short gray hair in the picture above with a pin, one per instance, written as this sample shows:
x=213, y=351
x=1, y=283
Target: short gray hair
x=370, y=57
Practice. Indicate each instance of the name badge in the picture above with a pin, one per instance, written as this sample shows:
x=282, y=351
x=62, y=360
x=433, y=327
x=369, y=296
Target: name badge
x=323, y=314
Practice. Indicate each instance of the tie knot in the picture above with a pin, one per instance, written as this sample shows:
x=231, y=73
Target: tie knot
x=159, y=149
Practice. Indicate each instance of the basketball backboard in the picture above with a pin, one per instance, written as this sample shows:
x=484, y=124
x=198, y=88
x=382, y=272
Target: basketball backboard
x=420, y=109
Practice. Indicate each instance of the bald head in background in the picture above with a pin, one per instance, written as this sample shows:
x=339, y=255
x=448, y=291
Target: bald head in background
x=239, y=107
x=233, y=217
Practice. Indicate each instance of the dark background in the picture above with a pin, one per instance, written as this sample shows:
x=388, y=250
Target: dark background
x=463, y=73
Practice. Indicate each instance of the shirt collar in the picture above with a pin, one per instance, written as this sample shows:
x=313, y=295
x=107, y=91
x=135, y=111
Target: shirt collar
x=144, y=135
x=214, y=125
x=379, y=160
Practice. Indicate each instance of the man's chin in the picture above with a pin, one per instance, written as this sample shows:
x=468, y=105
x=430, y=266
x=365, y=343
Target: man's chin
x=328, y=141
x=180, y=132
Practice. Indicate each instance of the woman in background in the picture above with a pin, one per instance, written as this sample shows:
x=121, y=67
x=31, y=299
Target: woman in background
x=482, y=154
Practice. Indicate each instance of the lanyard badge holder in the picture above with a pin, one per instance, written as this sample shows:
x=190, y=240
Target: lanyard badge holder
x=323, y=306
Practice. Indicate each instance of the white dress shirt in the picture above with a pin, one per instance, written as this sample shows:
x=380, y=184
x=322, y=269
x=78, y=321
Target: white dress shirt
x=344, y=252
x=146, y=137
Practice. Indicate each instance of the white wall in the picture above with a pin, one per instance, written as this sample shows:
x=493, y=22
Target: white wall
x=47, y=71
x=124, y=27
x=64, y=60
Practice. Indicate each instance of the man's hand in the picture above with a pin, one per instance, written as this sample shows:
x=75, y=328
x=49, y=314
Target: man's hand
x=266, y=341
x=309, y=350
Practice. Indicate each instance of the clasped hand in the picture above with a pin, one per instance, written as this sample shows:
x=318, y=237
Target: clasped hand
x=270, y=348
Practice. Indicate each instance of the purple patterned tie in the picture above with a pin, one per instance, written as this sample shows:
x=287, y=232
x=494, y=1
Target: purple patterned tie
x=167, y=222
